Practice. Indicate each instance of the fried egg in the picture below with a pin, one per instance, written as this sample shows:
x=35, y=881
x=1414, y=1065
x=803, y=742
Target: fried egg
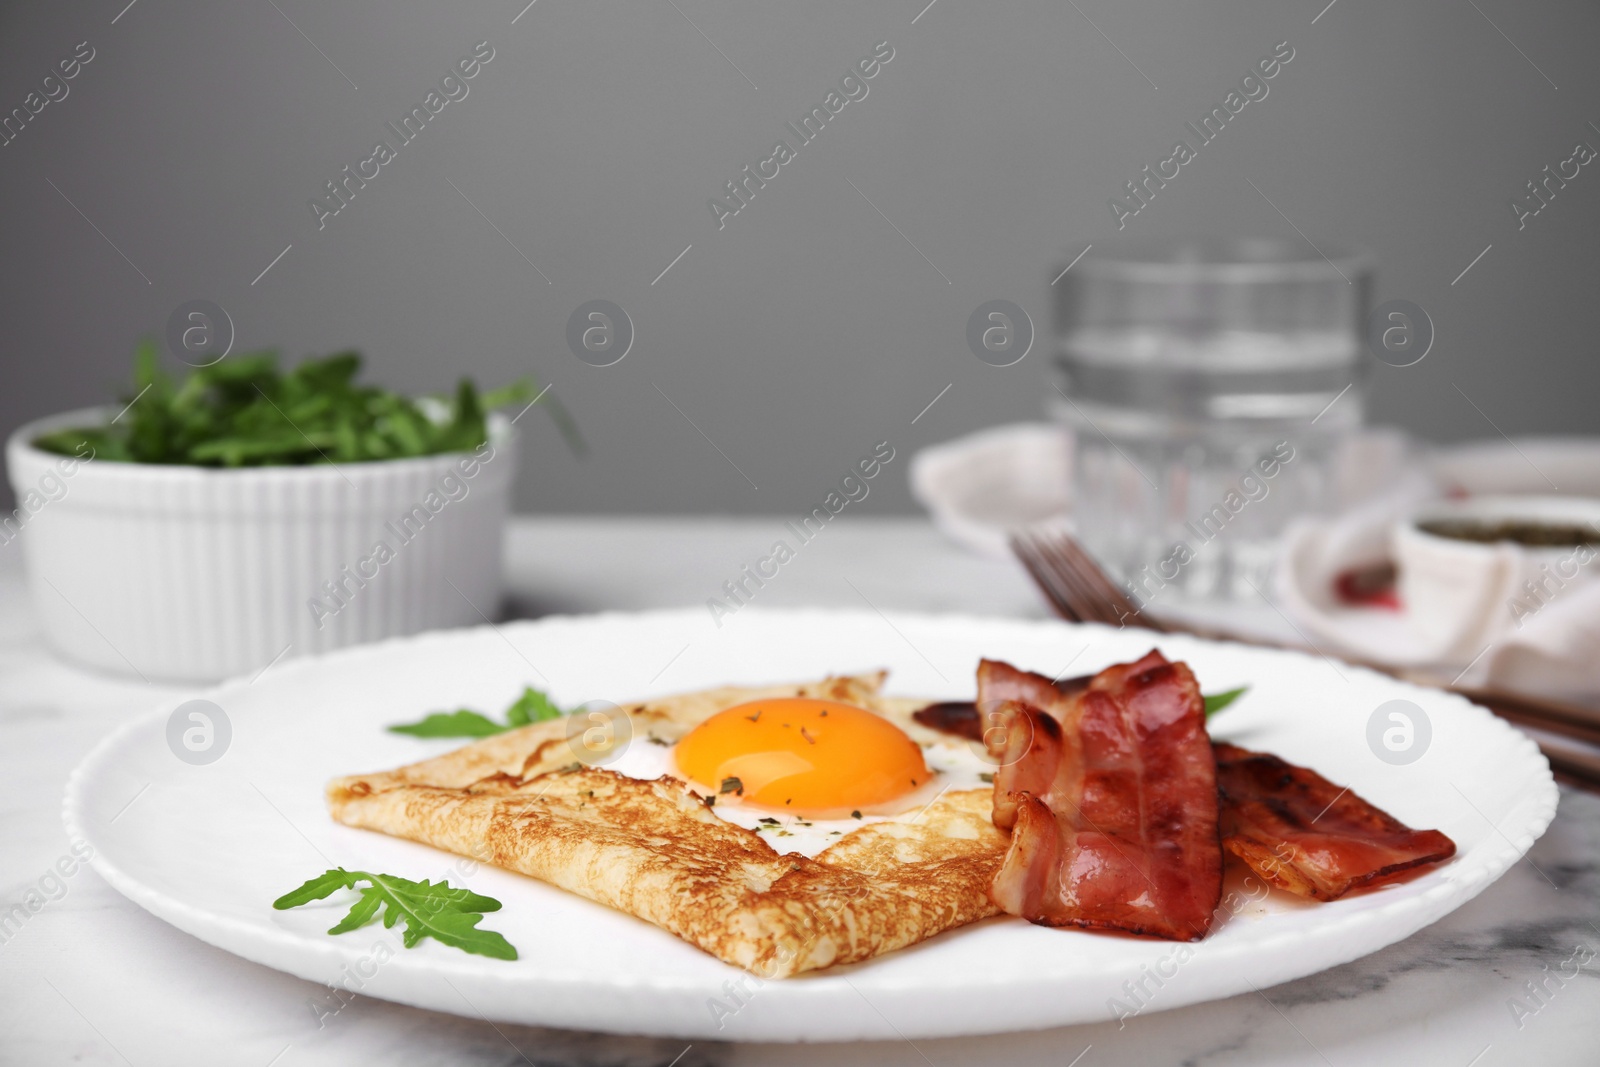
x=803, y=772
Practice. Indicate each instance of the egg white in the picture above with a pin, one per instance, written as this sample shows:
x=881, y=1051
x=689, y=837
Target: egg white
x=955, y=766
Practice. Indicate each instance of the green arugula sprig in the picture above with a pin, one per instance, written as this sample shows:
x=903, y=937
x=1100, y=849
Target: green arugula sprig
x=1217, y=701
x=245, y=412
x=532, y=706
x=428, y=909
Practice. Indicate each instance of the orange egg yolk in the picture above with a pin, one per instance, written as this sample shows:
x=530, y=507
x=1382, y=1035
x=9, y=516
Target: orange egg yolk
x=809, y=757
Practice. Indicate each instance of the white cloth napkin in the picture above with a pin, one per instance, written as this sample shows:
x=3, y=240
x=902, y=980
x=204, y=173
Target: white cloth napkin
x=980, y=487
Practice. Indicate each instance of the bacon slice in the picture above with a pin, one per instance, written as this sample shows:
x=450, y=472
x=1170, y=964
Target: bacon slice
x=1002, y=683
x=959, y=717
x=1295, y=829
x=1110, y=794
x=1302, y=833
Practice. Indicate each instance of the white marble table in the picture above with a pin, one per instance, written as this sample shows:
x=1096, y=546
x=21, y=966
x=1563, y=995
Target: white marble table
x=90, y=978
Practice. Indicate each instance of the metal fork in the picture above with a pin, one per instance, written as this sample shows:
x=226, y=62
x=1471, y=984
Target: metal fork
x=1079, y=590
x=1076, y=586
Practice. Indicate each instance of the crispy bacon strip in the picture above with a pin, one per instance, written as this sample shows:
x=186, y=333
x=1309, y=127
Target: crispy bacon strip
x=959, y=717
x=1302, y=833
x=1274, y=816
x=1110, y=795
x=1294, y=828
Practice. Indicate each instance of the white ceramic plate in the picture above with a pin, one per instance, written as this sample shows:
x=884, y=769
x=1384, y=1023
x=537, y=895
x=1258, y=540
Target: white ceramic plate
x=207, y=848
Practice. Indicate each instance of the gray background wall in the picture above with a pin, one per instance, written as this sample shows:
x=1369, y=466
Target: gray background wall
x=807, y=329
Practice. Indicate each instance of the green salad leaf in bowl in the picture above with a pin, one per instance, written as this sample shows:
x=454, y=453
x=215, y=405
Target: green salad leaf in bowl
x=246, y=412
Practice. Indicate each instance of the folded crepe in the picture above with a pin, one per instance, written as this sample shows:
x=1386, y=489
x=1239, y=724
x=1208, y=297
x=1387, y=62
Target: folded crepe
x=657, y=850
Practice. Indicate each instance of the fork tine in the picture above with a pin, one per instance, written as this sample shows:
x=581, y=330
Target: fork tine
x=1095, y=576
x=1024, y=549
x=1113, y=607
x=1125, y=604
x=1089, y=602
x=1064, y=589
x=1059, y=584
x=1073, y=582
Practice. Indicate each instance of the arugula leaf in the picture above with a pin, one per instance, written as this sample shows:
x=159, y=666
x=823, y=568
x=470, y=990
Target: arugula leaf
x=428, y=909
x=461, y=723
x=1217, y=701
x=323, y=885
x=245, y=412
x=532, y=706
x=360, y=914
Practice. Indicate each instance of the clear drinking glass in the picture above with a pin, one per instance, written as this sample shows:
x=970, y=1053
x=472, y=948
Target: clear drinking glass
x=1208, y=384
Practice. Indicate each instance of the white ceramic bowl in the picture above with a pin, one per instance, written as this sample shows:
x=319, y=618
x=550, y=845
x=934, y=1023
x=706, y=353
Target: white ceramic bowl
x=1462, y=595
x=196, y=574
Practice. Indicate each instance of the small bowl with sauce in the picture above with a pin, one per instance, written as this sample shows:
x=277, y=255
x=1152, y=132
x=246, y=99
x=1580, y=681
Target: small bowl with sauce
x=1474, y=570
